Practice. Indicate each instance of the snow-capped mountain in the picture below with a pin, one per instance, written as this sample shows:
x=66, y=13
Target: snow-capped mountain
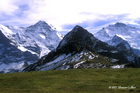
x=116, y=41
x=80, y=49
x=20, y=44
x=127, y=33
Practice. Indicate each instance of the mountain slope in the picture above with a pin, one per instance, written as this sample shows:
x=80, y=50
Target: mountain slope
x=11, y=54
x=45, y=37
x=19, y=45
x=80, y=49
x=125, y=32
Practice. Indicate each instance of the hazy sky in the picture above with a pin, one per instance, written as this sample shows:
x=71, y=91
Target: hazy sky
x=65, y=14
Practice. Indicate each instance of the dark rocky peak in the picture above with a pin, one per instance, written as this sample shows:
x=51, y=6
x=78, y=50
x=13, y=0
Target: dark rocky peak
x=119, y=24
x=120, y=44
x=103, y=28
x=80, y=39
x=76, y=39
x=78, y=28
x=79, y=33
x=117, y=39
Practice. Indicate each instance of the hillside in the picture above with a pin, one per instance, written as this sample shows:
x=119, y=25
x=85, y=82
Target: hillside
x=72, y=81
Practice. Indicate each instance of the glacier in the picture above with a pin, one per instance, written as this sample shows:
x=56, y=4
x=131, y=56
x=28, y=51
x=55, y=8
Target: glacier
x=123, y=31
x=26, y=44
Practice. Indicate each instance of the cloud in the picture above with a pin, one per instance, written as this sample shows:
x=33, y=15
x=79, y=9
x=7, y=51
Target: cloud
x=7, y=7
x=19, y=12
x=137, y=21
x=100, y=20
x=86, y=13
x=24, y=7
x=64, y=14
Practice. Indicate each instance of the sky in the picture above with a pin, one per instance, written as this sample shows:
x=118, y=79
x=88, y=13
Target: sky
x=65, y=14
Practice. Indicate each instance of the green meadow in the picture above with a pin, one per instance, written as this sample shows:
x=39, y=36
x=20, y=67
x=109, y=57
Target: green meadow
x=125, y=80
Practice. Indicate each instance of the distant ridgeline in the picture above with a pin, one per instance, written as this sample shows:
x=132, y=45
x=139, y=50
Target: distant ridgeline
x=79, y=49
x=40, y=47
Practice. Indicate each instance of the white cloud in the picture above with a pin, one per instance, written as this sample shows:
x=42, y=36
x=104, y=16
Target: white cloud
x=60, y=12
x=7, y=7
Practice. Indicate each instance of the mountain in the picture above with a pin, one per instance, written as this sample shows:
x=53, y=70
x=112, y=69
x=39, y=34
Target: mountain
x=44, y=36
x=80, y=49
x=118, y=41
x=25, y=45
x=126, y=32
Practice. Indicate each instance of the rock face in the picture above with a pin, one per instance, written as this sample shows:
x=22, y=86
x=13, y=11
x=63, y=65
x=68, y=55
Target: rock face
x=19, y=44
x=80, y=49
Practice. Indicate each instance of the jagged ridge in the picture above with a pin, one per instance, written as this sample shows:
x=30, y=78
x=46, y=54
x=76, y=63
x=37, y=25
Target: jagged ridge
x=21, y=44
x=76, y=42
x=125, y=32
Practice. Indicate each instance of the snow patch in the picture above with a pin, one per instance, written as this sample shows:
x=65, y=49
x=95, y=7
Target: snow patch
x=12, y=67
x=22, y=48
x=138, y=31
x=56, y=60
x=60, y=35
x=118, y=66
x=114, y=60
x=5, y=30
x=78, y=64
x=91, y=57
x=42, y=36
x=121, y=36
x=114, y=51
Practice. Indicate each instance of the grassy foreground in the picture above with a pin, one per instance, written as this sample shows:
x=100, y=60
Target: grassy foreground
x=73, y=81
